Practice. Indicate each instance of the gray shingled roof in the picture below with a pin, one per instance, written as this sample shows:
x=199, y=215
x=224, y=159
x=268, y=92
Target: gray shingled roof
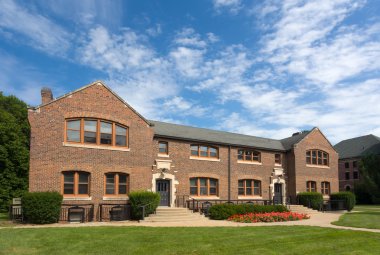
x=290, y=141
x=358, y=146
x=169, y=130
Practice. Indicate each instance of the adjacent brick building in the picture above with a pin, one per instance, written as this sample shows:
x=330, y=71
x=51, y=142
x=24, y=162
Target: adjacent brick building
x=93, y=147
x=351, y=152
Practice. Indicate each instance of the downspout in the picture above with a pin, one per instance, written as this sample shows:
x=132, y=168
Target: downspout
x=229, y=173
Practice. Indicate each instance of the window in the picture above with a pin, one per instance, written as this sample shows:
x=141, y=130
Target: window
x=325, y=188
x=249, y=155
x=311, y=186
x=76, y=183
x=277, y=158
x=249, y=188
x=317, y=157
x=204, y=151
x=356, y=175
x=163, y=147
x=347, y=165
x=355, y=164
x=347, y=175
x=348, y=188
x=200, y=186
x=95, y=131
x=116, y=184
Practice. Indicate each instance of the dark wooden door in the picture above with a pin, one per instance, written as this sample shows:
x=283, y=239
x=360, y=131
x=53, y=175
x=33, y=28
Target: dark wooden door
x=277, y=199
x=163, y=188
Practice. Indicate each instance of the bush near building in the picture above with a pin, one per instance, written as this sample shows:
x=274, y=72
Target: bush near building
x=41, y=207
x=310, y=199
x=348, y=197
x=141, y=198
x=224, y=211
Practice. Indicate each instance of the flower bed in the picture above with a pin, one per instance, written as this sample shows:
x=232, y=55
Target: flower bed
x=268, y=217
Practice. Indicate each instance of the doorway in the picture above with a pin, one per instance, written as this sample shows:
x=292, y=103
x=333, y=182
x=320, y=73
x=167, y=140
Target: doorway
x=277, y=198
x=163, y=188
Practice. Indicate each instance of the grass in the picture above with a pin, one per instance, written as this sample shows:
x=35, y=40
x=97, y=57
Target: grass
x=217, y=240
x=363, y=216
x=4, y=220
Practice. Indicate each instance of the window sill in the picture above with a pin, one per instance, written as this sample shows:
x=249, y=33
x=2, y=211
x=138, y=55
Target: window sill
x=88, y=146
x=205, y=159
x=204, y=197
x=249, y=197
x=249, y=162
x=77, y=198
x=162, y=155
x=115, y=198
x=280, y=165
x=317, y=166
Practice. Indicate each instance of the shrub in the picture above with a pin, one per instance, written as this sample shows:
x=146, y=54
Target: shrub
x=41, y=207
x=347, y=196
x=224, y=211
x=310, y=199
x=140, y=198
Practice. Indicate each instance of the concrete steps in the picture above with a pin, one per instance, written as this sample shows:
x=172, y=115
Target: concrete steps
x=168, y=214
x=302, y=209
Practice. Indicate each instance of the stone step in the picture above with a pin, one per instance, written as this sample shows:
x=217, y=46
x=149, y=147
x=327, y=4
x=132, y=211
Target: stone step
x=175, y=216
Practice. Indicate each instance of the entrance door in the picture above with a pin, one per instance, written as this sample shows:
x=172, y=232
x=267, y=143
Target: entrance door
x=277, y=199
x=163, y=188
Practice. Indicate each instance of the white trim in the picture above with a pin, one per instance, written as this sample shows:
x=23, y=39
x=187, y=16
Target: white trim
x=161, y=155
x=204, y=197
x=114, y=198
x=77, y=198
x=249, y=162
x=205, y=159
x=87, y=146
x=249, y=197
x=173, y=182
x=318, y=166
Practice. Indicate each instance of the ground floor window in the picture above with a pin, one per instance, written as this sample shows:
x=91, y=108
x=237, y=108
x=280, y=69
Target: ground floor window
x=249, y=187
x=325, y=188
x=76, y=183
x=201, y=186
x=311, y=186
x=116, y=184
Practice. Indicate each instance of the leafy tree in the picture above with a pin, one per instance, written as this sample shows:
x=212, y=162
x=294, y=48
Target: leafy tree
x=14, y=149
x=370, y=177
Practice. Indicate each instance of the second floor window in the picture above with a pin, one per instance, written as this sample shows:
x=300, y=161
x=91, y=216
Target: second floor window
x=325, y=188
x=277, y=159
x=200, y=186
x=356, y=175
x=347, y=175
x=163, y=147
x=354, y=164
x=317, y=157
x=311, y=186
x=95, y=131
x=249, y=155
x=347, y=165
x=249, y=188
x=116, y=184
x=204, y=151
x=76, y=183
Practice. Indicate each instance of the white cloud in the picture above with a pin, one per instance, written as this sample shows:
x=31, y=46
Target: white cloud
x=188, y=61
x=188, y=37
x=232, y=6
x=179, y=105
x=37, y=30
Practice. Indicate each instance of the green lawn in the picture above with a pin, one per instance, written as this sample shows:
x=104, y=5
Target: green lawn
x=4, y=221
x=363, y=216
x=217, y=240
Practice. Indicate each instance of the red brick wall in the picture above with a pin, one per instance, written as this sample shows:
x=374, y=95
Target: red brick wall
x=342, y=173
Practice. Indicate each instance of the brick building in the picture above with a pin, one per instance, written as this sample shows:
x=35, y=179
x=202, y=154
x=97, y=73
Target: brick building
x=93, y=147
x=350, y=153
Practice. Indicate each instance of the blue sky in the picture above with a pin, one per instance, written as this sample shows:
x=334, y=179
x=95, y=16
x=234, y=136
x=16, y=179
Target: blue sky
x=264, y=68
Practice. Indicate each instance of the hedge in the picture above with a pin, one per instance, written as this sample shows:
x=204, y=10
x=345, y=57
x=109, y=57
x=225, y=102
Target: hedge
x=310, y=199
x=41, y=207
x=347, y=196
x=224, y=211
x=140, y=198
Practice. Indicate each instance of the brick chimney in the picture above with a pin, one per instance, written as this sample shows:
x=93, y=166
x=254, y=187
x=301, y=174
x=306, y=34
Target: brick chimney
x=46, y=95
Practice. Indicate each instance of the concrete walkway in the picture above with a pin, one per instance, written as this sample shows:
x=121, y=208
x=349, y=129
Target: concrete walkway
x=317, y=220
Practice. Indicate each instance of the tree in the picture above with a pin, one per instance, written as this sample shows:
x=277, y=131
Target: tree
x=370, y=177
x=14, y=149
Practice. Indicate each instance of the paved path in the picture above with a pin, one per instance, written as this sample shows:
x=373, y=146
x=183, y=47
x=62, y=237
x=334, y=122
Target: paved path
x=317, y=220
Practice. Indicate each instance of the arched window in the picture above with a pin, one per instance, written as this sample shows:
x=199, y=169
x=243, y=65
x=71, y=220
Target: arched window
x=116, y=184
x=348, y=188
x=204, y=151
x=317, y=157
x=325, y=188
x=75, y=183
x=203, y=186
x=249, y=155
x=96, y=131
x=311, y=186
x=249, y=187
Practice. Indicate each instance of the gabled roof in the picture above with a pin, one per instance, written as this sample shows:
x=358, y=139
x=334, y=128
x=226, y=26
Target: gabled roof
x=87, y=86
x=358, y=146
x=296, y=138
x=162, y=129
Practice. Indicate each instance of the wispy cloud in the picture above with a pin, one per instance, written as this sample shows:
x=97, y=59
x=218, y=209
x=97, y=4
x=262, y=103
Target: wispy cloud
x=232, y=6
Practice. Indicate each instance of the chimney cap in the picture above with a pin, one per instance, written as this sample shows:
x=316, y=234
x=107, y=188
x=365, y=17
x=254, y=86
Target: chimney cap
x=46, y=89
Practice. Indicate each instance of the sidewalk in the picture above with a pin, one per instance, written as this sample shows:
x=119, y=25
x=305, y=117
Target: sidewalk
x=317, y=220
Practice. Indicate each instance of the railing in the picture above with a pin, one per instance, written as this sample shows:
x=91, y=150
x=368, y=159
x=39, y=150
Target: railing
x=77, y=212
x=326, y=205
x=181, y=200
x=203, y=205
x=143, y=211
x=114, y=212
x=15, y=213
